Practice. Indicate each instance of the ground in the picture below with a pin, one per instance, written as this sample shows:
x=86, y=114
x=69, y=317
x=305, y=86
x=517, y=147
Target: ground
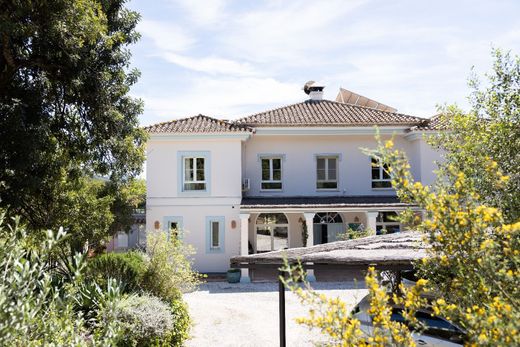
x=247, y=314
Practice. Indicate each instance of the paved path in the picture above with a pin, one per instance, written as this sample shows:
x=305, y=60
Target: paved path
x=247, y=314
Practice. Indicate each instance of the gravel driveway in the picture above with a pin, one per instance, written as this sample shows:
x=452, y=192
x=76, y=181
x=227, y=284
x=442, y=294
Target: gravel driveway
x=247, y=314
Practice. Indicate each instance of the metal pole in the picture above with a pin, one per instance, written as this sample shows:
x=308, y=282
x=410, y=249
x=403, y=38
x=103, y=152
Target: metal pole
x=281, y=306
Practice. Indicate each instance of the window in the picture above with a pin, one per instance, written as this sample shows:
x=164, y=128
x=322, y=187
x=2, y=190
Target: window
x=215, y=240
x=173, y=225
x=271, y=174
x=272, y=232
x=327, y=172
x=215, y=234
x=194, y=173
x=380, y=176
x=386, y=223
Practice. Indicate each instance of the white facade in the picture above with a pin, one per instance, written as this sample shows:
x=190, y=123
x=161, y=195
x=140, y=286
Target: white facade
x=216, y=215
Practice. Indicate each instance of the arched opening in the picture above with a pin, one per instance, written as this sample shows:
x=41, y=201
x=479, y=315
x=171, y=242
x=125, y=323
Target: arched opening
x=327, y=226
x=272, y=232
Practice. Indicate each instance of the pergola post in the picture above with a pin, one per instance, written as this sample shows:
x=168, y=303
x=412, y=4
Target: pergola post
x=244, y=247
x=309, y=221
x=372, y=220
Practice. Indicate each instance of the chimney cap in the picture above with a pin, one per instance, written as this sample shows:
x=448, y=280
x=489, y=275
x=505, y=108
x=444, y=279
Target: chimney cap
x=311, y=86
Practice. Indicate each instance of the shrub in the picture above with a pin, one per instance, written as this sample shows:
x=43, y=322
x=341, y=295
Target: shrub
x=145, y=320
x=34, y=310
x=169, y=270
x=181, y=322
x=126, y=268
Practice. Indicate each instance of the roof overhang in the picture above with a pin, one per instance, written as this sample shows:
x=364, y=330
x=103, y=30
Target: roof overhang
x=323, y=204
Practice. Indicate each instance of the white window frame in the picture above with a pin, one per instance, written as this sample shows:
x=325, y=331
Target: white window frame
x=221, y=230
x=194, y=169
x=327, y=180
x=271, y=227
x=381, y=178
x=271, y=175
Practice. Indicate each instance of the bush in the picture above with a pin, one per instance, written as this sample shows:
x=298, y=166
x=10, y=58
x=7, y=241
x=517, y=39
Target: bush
x=169, y=270
x=181, y=322
x=37, y=311
x=126, y=268
x=145, y=320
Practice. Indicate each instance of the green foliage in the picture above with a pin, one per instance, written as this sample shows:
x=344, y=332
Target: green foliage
x=490, y=131
x=128, y=269
x=351, y=234
x=181, y=323
x=65, y=113
x=474, y=254
x=37, y=307
x=145, y=320
x=169, y=270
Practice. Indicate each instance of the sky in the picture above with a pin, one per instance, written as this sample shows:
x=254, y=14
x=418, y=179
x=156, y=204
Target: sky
x=228, y=59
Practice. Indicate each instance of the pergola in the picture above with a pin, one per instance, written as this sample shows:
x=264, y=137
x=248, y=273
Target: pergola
x=394, y=252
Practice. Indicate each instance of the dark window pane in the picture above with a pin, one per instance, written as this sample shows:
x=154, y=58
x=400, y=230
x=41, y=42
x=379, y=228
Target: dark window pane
x=265, y=164
x=381, y=184
x=327, y=185
x=386, y=175
x=389, y=216
x=194, y=186
x=375, y=173
x=277, y=175
x=200, y=163
x=214, y=234
x=271, y=185
x=266, y=175
x=321, y=174
x=277, y=164
x=321, y=163
x=200, y=174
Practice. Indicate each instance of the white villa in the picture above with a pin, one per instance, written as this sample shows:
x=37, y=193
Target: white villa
x=253, y=184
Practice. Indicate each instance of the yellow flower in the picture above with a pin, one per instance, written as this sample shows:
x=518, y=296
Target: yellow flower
x=389, y=144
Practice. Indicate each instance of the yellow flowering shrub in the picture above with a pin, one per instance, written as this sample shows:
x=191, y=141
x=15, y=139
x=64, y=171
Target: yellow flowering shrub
x=473, y=267
x=332, y=318
x=474, y=256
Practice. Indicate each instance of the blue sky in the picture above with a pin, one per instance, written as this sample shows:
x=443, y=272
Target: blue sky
x=232, y=58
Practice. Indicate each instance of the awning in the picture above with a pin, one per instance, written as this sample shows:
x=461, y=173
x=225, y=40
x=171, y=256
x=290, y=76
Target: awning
x=385, y=252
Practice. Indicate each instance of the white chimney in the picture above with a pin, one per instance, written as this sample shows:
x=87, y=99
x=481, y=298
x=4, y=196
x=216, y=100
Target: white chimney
x=314, y=90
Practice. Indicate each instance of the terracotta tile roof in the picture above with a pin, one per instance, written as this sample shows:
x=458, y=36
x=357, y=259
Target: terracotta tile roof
x=327, y=113
x=435, y=123
x=197, y=124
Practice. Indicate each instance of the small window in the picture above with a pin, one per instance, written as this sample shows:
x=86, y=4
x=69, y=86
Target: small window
x=271, y=174
x=387, y=223
x=215, y=235
x=327, y=172
x=194, y=174
x=215, y=239
x=380, y=176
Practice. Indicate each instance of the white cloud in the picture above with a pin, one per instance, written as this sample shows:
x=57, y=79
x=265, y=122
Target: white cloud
x=166, y=36
x=211, y=65
x=223, y=97
x=205, y=12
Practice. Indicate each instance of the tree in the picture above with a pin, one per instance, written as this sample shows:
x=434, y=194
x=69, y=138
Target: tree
x=489, y=131
x=65, y=113
x=472, y=227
